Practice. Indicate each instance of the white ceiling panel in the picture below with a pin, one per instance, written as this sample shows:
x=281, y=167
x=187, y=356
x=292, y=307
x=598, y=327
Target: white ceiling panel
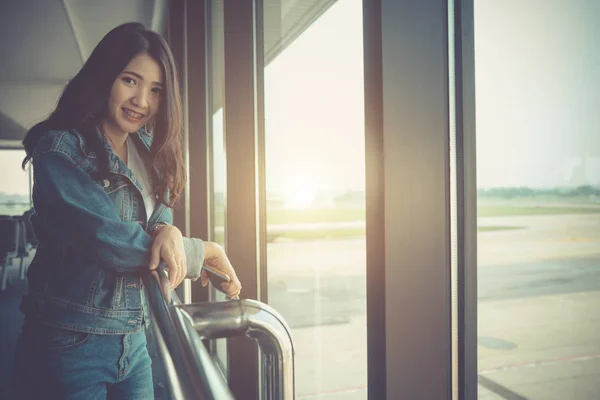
x=89, y=28
x=43, y=44
x=27, y=103
x=36, y=42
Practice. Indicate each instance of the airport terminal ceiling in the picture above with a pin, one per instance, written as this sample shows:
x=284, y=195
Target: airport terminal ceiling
x=43, y=44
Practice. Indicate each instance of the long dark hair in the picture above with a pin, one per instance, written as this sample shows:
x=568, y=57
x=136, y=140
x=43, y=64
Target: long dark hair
x=84, y=101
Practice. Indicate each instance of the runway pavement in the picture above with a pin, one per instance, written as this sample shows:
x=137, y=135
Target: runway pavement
x=539, y=292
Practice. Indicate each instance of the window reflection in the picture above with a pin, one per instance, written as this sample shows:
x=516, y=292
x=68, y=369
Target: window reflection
x=538, y=152
x=314, y=129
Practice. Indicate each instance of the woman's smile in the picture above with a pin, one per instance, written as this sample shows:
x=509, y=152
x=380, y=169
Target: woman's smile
x=132, y=115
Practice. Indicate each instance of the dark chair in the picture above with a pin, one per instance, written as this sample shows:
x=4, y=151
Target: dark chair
x=9, y=247
x=22, y=246
x=29, y=234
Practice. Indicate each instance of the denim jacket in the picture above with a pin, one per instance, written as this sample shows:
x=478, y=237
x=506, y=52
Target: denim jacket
x=93, y=237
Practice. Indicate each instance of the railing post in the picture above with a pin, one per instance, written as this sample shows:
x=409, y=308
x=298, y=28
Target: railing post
x=180, y=328
x=190, y=370
x=261, y=323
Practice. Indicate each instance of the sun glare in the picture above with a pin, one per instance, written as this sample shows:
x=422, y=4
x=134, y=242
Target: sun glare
x=300, y=192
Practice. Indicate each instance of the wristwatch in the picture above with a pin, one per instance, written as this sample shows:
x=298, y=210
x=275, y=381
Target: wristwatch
x=155, y=228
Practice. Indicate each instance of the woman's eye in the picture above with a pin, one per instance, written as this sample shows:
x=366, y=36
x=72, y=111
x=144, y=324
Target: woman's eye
x=129, y=80
x=156, y=90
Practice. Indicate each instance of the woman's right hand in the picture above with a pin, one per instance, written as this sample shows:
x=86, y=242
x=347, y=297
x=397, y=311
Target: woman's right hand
x=214, y=256
x=168, y=246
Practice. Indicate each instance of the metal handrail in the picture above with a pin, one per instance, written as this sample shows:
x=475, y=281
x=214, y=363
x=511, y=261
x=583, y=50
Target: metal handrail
x=191, y=371
x=261, y=323
x=182, y=327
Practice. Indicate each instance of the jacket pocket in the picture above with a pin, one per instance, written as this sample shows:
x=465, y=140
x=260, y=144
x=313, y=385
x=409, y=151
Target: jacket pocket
x=113, y=183
x=60, y=339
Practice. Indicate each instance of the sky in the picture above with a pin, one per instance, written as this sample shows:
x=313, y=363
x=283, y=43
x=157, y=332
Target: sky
x=538, y=92
x=314, y=107
x=537, y=100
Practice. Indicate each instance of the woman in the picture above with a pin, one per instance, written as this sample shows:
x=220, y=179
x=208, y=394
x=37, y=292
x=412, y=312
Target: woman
x=108, y=168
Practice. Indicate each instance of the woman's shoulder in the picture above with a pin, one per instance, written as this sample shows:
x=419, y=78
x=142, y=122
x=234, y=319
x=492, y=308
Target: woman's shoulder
x=67, y=142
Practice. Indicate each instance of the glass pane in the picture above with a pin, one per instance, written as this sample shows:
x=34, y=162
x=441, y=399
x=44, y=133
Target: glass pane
x=217, y=151
x=538, y=171
x=314, y=128
x=14, y=183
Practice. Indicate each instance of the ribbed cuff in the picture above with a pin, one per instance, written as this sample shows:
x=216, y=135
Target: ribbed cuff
x=194, y=254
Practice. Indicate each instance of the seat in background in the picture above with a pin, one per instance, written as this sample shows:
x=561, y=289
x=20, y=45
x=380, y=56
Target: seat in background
x=9, y=246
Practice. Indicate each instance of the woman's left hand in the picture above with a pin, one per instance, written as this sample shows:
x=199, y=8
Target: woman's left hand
x=168, y=246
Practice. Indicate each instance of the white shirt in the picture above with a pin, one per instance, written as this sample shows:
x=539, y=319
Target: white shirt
x=194, y=248
x=137, y=166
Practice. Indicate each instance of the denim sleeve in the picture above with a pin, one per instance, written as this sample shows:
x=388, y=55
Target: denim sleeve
x=74, y=208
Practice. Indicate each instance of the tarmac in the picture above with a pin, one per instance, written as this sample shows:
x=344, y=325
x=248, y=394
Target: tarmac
x=538, y=321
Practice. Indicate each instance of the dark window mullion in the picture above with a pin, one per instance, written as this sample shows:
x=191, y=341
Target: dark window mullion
x=241, y=153
x=176, y=35
x=408, y=199
x=466, y=199
x=197, y=122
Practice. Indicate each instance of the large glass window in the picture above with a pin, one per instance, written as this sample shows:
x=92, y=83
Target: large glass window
x=538, y=176
x=15, y=194
x=315, y=180
x=217, y=172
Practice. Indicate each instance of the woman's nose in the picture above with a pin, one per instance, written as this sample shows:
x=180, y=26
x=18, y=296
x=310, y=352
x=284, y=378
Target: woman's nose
x=140, y=99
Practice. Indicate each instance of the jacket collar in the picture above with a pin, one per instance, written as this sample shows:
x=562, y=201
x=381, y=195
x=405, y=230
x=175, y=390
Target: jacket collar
x=115, y=164
x=140, y=137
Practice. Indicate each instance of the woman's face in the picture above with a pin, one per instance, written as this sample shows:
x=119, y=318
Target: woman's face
x=135, y=95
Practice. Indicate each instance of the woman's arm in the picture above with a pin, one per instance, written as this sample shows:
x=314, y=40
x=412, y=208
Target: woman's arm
x=197, y=253
x=76, y=210
x=193, y=248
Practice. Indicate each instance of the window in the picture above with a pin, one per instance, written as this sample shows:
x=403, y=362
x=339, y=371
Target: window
x=315, y=181
x=538, y=167
x=15, y=193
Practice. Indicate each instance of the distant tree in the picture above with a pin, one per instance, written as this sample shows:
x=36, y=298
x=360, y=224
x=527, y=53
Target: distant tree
x=585, y=190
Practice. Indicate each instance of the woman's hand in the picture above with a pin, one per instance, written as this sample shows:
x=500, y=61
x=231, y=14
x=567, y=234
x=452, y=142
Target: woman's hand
x=214, y=256
x=168, y=246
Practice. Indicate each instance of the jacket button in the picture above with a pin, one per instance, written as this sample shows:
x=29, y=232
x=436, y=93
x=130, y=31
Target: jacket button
x=106, y=183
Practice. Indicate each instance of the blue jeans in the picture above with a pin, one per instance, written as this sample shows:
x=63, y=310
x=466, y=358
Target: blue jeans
x=55, y=363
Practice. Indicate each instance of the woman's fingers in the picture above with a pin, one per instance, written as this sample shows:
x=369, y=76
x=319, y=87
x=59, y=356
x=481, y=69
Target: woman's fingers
x=172, y=264
x=155, y=254
x=181, y=270
x=233, y=288
x=168, y=246
x=204, y=278
x=215, y=257
x=176, y=265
